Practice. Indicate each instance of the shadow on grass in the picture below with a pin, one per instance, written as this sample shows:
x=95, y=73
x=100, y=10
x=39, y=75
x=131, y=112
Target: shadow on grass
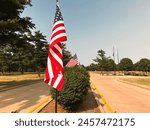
x=22, y=98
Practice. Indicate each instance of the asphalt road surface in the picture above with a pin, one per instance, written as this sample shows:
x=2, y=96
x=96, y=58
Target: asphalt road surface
x=122, y=97
x=23, y=98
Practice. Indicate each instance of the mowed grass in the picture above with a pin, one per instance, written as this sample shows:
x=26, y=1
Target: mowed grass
x=140, y=81
x=20, y=77
x=19, y=80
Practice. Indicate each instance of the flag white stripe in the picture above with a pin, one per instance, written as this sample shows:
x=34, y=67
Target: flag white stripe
x=58, y=36
x=50, y=80
x=57, y=80
x=58, y=48
x=58, y=22
x=56, y=57
x=50, y=70
x=58, y=29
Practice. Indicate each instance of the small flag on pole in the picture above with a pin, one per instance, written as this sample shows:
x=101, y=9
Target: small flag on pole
x=54, y=74
x=73, y=61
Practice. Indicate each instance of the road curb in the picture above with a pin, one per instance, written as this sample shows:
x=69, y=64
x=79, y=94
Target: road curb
x=103, y=104
x=38, y=107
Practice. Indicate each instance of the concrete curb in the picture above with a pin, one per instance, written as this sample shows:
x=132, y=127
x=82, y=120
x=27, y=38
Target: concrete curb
x=38, y=107
x=101, y=101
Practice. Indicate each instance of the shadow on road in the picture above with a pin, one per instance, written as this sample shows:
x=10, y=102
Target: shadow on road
x=24, y=97
x=4, y=86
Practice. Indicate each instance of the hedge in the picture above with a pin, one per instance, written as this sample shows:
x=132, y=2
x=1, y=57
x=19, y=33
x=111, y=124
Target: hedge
x=75, y=88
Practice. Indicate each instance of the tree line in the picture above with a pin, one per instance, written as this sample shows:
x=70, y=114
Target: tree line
x=104, y=63
x=21, y=48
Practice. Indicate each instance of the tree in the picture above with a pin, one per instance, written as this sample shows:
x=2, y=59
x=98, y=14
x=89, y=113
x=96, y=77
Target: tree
x=111, y=66
x=104, y=63
x=14, y=31
x=5, y=59
x=143, y=65
x=40, y=51
x=92, y=67
x=4, y=63
x=22, y=58
x=12, y=25
x=126, y=64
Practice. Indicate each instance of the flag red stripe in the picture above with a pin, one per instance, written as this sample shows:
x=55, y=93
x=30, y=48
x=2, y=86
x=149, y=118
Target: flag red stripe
x=57, y=26
x=57, y=33
x=63, y=38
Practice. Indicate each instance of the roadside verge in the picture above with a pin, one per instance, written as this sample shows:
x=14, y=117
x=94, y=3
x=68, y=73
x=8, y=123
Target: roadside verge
x=134, y=84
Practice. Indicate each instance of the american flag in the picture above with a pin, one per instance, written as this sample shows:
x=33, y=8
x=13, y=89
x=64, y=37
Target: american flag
x=54, y=74
x=73, y=61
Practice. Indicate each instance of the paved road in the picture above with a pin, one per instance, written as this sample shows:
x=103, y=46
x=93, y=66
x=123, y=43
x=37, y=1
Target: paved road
x=23, y=98
x=121, y=96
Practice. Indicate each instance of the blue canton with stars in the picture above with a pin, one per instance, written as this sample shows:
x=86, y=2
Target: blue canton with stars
x=58, y=16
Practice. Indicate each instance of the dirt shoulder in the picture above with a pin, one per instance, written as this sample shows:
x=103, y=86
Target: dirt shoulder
x=89, y=105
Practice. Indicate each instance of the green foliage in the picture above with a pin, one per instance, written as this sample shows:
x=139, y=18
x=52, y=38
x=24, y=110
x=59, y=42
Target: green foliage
x=39, y=52
x=143, y=65
x=92, y=67
x=75, y=88
x=12, y=25
x=23, y=50
x=103, y=63
x=126, y=64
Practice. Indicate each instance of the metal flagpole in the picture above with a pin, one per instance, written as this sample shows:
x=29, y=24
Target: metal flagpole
x=56, y=92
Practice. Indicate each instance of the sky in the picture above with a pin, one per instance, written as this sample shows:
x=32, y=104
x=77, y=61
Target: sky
x=92, y=25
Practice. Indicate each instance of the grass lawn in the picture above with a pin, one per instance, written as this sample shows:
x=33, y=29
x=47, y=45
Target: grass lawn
x=19, y=80
x=140, y=81
x=20, y=77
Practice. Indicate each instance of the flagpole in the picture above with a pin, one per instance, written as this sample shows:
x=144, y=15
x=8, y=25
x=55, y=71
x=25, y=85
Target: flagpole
x=56, y=94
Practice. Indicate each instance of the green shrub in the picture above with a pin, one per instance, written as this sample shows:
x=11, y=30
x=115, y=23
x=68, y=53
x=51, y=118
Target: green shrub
x=75, y=88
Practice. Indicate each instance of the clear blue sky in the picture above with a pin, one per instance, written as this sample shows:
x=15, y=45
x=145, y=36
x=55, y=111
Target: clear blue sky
x=98, y=24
